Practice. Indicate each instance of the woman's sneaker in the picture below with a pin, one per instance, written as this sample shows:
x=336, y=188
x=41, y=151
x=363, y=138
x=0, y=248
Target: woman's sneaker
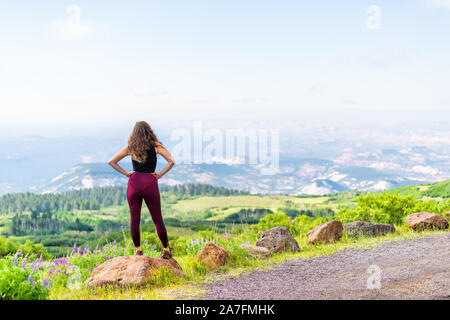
x=167, y=253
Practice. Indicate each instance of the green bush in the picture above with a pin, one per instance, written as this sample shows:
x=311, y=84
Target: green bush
x=389, y=208
x=302, y=224
x=21, y=282
x=272, y=220
x=8, y=247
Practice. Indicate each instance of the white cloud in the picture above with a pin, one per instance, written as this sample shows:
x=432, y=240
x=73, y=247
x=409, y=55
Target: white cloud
x=439, y=3
x=71, y=28
x=425, y=170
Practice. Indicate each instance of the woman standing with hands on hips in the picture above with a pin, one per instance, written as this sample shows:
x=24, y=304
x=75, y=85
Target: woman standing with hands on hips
x=143, y=146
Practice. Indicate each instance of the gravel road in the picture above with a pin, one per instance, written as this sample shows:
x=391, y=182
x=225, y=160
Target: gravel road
x=409, y=269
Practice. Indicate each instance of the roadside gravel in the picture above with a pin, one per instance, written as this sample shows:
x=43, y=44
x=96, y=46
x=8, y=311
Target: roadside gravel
x=409, y=269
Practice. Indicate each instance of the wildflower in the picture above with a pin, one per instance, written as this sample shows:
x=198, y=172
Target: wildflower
x=44, y=283
x=89, y=269
x=24, y=263
x=80, y=252
x=29, y=278
x=40, y=260
x=19, y=253
x=154, y=247
x=50, y=284
x=115, y=244
x=74, y=251
x=15, y=261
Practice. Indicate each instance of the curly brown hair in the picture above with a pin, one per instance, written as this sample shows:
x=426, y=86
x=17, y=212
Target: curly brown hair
x=140, y=140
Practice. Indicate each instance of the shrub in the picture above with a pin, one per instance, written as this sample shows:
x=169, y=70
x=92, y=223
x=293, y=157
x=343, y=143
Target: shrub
x=389, y=208
x=272, y=220
x=8, y=247
x=19, y=281
x=302, y=224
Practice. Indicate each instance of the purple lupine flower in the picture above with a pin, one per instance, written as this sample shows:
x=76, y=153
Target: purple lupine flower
x=44, y=283
x=115, y=244
x=15, y=261
x=89, y=269
x=51, y=283
x=74, y=251
x=29, y=278
x=24, y=263
x=40, y=260
x=154, y=247
x=80, y=252
x=19, y=253
x=35, y=269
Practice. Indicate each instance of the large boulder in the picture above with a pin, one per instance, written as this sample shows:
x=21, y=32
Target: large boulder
x=256, y=251
x=212, y=255
x=357, y=228
x=131, y=270
x=424, y=220
x=278, y=239
x=326, y=232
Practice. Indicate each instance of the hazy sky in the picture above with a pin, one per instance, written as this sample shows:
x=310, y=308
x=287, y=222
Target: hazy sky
x=114, y=62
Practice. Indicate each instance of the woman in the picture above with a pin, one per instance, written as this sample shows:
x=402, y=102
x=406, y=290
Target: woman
x=143, y=146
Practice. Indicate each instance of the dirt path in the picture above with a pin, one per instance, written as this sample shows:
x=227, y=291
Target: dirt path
x=410, y=269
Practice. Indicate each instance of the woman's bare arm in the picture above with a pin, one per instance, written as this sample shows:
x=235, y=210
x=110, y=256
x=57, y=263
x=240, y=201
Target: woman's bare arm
x=166, y=155
x=117, y=157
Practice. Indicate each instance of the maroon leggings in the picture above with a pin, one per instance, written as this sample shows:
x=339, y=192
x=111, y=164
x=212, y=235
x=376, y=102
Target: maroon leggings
x=145, y=186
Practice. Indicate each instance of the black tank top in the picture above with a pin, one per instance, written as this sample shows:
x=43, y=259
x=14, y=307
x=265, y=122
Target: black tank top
x=149, y=165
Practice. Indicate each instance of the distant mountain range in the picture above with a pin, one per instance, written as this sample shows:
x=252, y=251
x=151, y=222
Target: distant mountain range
x=296, y=176
x=317, y=159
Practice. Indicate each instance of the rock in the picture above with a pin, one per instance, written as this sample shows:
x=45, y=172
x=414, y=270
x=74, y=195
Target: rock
x=131, y=270
x=425, y=220
x=256, y=251
x=326, y=232
x=278, y=239
x=357, y=228
x=212, y=255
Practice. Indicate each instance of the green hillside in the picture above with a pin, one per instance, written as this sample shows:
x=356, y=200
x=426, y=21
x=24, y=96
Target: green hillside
x=429, y=190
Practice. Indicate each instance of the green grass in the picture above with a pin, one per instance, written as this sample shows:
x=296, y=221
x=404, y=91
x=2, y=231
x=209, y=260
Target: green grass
x=437, y=190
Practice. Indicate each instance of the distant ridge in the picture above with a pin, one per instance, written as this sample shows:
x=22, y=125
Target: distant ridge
x=295, y=177
x=433, y=190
